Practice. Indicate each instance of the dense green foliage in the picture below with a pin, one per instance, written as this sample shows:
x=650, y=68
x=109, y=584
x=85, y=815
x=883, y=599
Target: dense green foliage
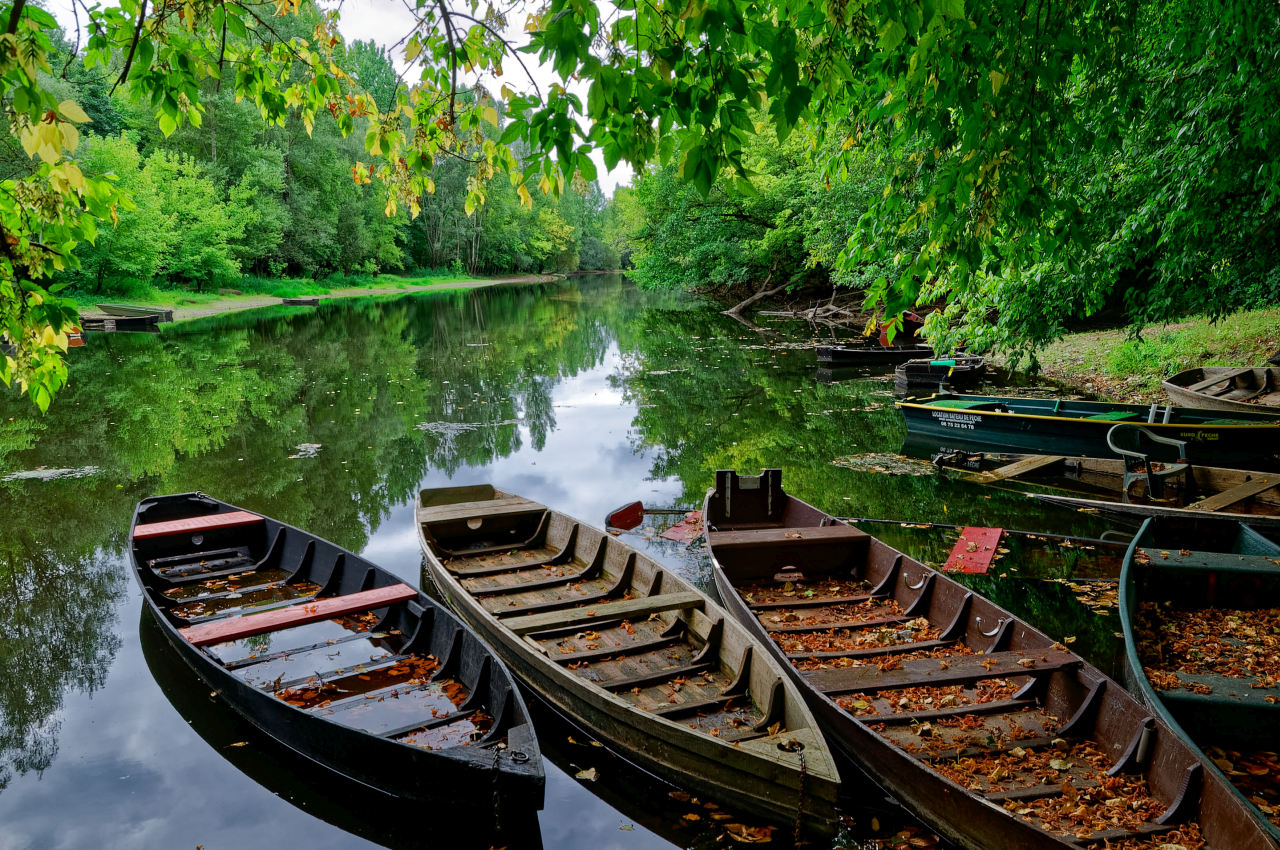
x=1045, y=160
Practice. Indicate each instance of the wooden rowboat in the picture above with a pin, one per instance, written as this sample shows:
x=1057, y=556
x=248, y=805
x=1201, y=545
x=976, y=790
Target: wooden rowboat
x=1064, y=427
x=155, y=314
x=870, y=355
x=1200, y=631
x=332, y=656
x=1252, y=389
x=630, y=650
x=1098, y=484
x=990, y=731
x=305, y=301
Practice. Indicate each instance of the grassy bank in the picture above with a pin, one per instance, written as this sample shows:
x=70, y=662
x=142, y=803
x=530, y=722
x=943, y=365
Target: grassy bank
x=1111, y=365
x=250, y=287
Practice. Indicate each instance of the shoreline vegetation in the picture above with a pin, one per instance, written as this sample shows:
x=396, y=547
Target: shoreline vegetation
x=188, y=305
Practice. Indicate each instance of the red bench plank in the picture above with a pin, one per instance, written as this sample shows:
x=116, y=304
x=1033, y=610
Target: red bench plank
x=235, y=628
x=208, y=522
x=975, y=550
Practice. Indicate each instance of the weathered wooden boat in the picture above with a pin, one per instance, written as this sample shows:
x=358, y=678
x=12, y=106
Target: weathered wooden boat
x=108, y=324
x=1251, y=389
x=630, y=650
x=160, y=314
x=1245, y=441
x=371, y=813
x=990, y=731
x=870, y=355
x=332, y=656
x=309, y=301
x=962, y=371
x=1202, y=637
x=1098, y=484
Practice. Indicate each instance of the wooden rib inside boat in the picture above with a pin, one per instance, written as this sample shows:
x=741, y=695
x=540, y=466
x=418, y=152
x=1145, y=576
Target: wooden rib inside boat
x=993, y=733
x=630, y=650
x=332, y=656
x=1202, y=632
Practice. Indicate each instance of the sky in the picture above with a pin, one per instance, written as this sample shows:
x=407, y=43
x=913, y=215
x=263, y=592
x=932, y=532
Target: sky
x=385, y=22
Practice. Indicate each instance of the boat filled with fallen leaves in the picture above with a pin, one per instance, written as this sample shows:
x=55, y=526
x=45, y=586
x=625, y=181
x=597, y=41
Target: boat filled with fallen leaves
x=1200, y=609
x=990, y=731
x=630, y=650
x=332, y=656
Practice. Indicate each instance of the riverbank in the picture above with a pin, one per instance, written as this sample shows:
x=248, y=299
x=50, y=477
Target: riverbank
x=187, y=305
x=1110, y=365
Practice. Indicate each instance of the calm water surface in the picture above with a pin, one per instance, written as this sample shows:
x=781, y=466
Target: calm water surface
x=582, y=395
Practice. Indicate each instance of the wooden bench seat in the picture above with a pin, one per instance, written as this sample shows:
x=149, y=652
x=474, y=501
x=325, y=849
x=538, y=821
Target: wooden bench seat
x=802, y=536
x=1239, y=493
x=960, y=670
x=235, y=628
x=632, y=608
x=490, y=508
x=206, y=522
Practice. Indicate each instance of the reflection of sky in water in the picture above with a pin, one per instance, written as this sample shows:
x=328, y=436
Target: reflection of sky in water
x=130, y=772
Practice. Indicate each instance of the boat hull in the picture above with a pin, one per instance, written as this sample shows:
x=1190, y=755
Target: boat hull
x=841, y=356
x=1244, y=719
x=1045, y=426
x=752, y=772
x=474, y=776
x=965, y=818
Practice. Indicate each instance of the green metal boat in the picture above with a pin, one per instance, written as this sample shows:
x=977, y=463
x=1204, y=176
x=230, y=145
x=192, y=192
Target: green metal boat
x=1202, y=636
x=1061, y=427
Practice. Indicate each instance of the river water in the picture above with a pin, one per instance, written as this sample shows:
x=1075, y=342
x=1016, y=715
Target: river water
x=582, y=395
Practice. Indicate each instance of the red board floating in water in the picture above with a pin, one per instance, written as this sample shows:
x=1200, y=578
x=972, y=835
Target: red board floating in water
x=686, y=530
x=975, y=550
x=626, y=517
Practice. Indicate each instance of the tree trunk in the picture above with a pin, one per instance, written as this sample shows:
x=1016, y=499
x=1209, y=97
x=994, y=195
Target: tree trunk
x=736, y=310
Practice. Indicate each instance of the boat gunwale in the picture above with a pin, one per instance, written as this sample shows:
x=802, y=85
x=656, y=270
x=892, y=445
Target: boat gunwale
x=918, y=403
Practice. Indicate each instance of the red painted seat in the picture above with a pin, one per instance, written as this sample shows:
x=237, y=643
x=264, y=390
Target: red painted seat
x=208, y=522
x=235, y=628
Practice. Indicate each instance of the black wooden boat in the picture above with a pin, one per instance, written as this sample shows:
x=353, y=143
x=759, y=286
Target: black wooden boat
x=332, y=656
x=870, y=355
x=303, y=301
x=1061, y=427
x=362, y=810
x=963, y=371
x=641, y=658
x=144, y=324
x=1202, y=637
x=990, y=731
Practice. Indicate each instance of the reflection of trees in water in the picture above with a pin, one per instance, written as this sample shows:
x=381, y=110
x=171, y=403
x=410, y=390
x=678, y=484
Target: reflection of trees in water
x=55, y=634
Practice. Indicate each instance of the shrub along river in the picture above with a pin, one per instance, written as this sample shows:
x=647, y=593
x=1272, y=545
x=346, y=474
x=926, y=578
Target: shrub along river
x=583, y=395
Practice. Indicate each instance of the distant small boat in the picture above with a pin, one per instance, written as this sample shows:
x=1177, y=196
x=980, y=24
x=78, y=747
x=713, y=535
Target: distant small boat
x=962, y=371
x=312, y=301
x=333, y=657
x=1250, y=389
x=1199, y=618
x=629, y=649
x=1067, y=427
x=161, y=314
x=870, y=355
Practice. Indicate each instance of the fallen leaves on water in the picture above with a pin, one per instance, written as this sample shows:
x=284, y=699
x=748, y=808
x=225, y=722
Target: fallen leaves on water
x=590, y=774
x=680, y=796
x=239, y=744
x=744, y=834
x=627, y=827
x=690, y=816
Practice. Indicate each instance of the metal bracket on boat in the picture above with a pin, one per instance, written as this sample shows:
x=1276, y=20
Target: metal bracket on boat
x=923, y=579
x=792, y=746
x=994, y=631
x=519, y=756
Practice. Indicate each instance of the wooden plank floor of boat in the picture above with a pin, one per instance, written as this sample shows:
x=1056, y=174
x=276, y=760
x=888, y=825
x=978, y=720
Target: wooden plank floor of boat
x=970, y=713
